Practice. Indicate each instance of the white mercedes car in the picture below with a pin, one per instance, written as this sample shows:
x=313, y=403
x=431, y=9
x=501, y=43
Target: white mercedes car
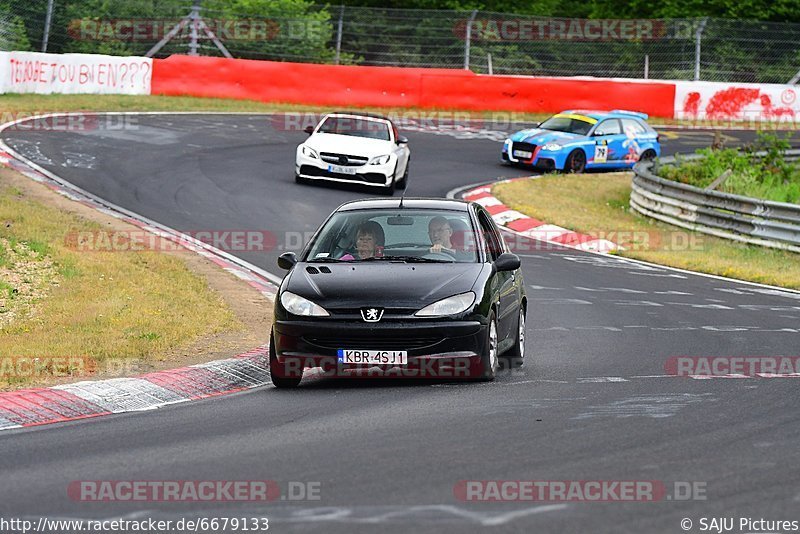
x=354, y=148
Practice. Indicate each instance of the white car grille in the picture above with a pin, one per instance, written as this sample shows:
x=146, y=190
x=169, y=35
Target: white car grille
x=343, y=159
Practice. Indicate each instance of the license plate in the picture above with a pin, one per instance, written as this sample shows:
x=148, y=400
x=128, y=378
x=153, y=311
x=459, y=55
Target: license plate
x=524, y=154
x=341, y=170
x=374, y=357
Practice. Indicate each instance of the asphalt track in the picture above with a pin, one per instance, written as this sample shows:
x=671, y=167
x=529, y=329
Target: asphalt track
x=592, y=402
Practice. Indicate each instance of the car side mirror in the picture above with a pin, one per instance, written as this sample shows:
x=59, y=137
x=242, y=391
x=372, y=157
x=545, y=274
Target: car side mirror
x=287, y=260
x=507, y=262
x=309, y=130
x=402, y=140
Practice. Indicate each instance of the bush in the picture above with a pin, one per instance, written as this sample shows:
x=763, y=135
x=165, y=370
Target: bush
x=770, y=177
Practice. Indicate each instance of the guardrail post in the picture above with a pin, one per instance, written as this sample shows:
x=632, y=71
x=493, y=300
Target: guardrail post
x=468, y=38
x=698, y=36
x=339, y=35
x=47, y=22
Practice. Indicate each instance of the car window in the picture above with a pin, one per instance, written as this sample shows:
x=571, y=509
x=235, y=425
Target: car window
x=493, y=242
x=608, y=127
x=568, y=124
x=356, y=126
x=633, y=126
x=410, y=234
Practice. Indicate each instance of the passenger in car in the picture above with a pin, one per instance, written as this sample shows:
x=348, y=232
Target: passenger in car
x=370, y=240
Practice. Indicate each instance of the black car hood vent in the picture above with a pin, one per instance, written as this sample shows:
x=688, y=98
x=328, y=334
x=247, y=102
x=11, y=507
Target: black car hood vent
x=352, y=285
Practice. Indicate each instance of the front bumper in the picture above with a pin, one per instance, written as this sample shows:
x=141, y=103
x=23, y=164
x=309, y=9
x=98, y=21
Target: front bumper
x=540, y=159
x=436, y=349
x=371, y=175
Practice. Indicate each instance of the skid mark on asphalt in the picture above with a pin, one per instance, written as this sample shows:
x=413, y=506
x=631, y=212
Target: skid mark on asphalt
x=652, y=406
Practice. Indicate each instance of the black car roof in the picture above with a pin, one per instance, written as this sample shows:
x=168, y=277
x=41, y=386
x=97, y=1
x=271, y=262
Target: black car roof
x=394, y=203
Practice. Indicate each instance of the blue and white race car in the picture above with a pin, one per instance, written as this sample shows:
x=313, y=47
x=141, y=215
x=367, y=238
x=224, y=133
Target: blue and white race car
x=577, y=140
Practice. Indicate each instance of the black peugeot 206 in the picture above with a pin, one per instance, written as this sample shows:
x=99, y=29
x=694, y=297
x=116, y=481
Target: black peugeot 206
x=420, y=288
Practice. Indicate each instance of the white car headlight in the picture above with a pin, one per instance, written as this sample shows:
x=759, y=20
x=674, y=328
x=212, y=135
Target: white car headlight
x=449, y=306
x=297, y=305
x=380, y=160
x=310, y=152
x=552, y=146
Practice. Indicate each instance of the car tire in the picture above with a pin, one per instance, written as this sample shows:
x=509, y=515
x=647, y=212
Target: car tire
x=490, y=361
x=648, y=155
x=299, y=179
x=576, y=161
x=516, y=354
x=277, y=370
x=404, y=180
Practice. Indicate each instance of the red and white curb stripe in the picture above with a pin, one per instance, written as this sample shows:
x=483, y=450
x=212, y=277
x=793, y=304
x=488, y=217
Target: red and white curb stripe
x=533, y=228
x=41, y=406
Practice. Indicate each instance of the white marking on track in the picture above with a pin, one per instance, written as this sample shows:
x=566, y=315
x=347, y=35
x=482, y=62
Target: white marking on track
x=653, y=406
x=600, y=379
x=649, y=303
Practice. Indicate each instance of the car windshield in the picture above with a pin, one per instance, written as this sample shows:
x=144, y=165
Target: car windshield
x=357, y=127
x=407, y=235
x=568, y=124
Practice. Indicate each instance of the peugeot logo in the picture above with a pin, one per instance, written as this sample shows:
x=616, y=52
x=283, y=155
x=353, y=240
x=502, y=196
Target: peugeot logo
x=343, y=160
x=372, y=315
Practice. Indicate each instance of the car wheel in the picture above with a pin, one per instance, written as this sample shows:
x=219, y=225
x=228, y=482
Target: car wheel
x=648, y=155
x=576, y=161
x=489, y=358
x=516, y=353
x=300, y=180
x=404, y=180
x=278, y=372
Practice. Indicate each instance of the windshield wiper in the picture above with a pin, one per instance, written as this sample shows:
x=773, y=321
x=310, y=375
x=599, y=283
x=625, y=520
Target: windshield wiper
x=409, y=259
x=327, y=260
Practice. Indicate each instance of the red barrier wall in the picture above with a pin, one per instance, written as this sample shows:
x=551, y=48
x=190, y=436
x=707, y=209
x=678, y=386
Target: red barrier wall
x=334, y=85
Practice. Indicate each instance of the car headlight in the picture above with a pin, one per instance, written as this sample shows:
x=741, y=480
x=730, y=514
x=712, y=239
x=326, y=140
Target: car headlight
x=380, y=160
x=552, y=146
x=310, y=152
x=449, y=306
x=297, y=305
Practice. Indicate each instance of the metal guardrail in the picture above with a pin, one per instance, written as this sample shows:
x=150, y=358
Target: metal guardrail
x=749, y=220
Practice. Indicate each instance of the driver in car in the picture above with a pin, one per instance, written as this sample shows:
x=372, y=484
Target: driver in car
x=440, y=233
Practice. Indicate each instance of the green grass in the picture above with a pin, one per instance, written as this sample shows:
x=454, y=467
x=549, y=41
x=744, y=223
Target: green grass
x=597, y=204
x=100, y=305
